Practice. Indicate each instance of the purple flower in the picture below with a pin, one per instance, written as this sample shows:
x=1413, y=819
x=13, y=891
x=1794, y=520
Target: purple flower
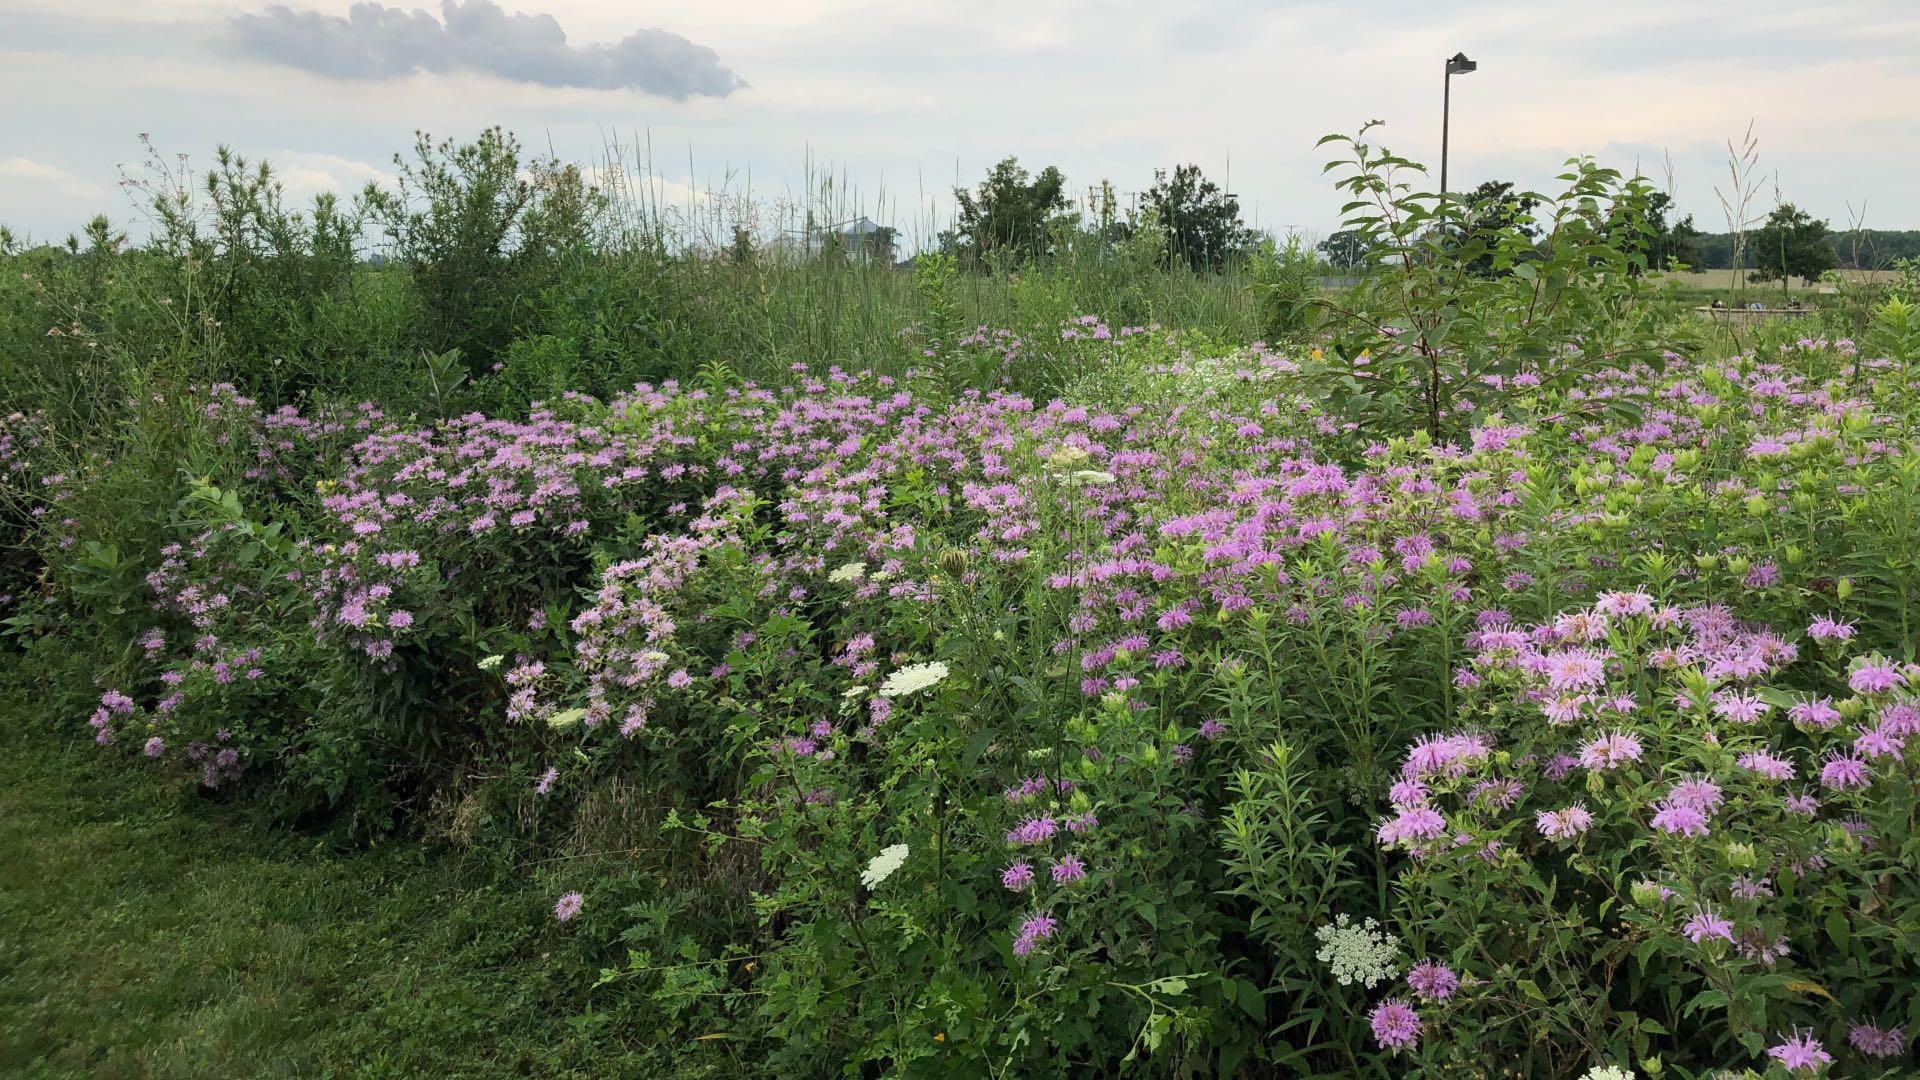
x=1033, y=830
x=1068, y=869
x=1878, y=742
x=155, y=747
x=1875, y=1041
x=1817, y=713
x=1705, y=925
x=1564, y=824
x=1700, y=794
x=1432, y=981
x=1875, y=675
x=1844, y=771
x=1413, y=823
x=545, y=783
x=1800, y=1052
x=1018, y=876
x=1766, y=764
x=1678, y=820
x=1610, y=751
x=1828, y=628
x=568, y=906
x=1395, y=1024
x=1032, y=932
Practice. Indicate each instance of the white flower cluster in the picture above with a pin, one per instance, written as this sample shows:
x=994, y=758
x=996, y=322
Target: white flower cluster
x=852, y=571
x=1364, y=954
x=912, y=679
x=1608, y=1072
x=882, y=866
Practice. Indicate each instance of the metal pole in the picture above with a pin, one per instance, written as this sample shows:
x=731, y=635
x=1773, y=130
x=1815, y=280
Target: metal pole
x=1446, y=108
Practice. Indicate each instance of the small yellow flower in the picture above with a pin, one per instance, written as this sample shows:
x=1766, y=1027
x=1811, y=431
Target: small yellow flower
x=942, y=1037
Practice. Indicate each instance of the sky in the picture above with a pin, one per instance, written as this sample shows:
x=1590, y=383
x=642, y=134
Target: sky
x=890, y=103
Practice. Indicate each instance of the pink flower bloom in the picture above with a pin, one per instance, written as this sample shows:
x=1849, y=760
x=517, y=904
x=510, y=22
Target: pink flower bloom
x=1032, y=932
x=1018, y=876
x=1817, y=713
x=1432, y=981
x=1705, y=925
x=1844, y=771
x=1875, y=1041
x=1766, y=764
x=1413, y=823
x=568, y=906
x=1876, y=676
x=1564, y=824
x=1032, y=830
x=1680, y=820
x=1610, y=751
x=1395, y=1024
x=1800, y=1052
x=1701, y=794
x=1827, y=628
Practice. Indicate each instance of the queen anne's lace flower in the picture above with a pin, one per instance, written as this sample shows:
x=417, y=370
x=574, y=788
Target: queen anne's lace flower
x=912, y=679
x=1364, y=953
x=882, y=866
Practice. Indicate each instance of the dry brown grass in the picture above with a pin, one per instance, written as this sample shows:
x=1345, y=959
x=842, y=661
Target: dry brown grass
x=1724, y=279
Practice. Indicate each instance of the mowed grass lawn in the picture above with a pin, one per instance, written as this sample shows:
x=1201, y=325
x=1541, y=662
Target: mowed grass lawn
x=145, y=935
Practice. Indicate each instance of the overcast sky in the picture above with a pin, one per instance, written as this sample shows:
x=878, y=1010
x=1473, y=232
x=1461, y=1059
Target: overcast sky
x=896, y=99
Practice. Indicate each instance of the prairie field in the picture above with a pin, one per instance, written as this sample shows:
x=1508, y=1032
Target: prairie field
x=1727, y=280
x=480, y=628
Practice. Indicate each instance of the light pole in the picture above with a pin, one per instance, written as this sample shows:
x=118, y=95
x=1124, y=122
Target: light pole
x=1457, y=64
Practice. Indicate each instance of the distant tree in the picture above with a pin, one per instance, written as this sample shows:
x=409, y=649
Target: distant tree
x=880, y=243
x=1345, y=249
x=1012, y=212
x=1792, y=243
x=1677, y=245
x=1493, y=211
x=1202, y=220
x=740, y=252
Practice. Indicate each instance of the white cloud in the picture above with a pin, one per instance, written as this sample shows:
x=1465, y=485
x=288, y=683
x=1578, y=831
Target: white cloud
x=30, y=174
x=907, y=99
x=305, y=173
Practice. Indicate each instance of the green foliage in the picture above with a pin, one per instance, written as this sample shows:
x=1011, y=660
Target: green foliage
x=1201, y=220
x=1345, y=249
x=1493, y=212
x=1287, y=281
x=1466, y=298
x=1011, y=217
x=1791, y=244
x=480, y=231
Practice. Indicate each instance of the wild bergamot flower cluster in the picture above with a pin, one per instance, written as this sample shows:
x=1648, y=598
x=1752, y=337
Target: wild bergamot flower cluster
x=1147, y=714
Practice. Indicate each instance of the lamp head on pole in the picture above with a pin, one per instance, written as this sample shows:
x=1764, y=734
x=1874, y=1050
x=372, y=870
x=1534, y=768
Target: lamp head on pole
x=1458, y=64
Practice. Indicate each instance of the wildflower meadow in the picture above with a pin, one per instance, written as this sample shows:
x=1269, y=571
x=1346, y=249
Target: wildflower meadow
x=1464, y=673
